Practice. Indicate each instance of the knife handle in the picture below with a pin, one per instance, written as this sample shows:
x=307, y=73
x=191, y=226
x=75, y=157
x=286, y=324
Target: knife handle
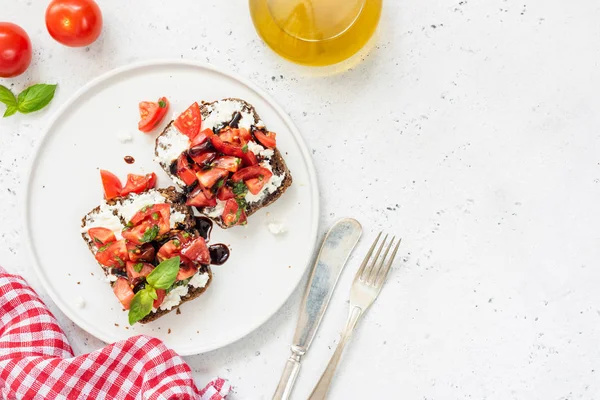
x=289, y=375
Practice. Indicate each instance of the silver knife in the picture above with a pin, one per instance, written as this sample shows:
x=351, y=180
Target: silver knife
x=337, y=246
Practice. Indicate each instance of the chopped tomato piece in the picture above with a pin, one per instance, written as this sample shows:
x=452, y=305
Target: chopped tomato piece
x=205, y=158
x=232, y=214
x=197, y=251
x=255, y=185
x=211, y=176
x=145, y=252
x=136, y=270
x=185, y=171
x=139, y=183
x=267, y=139
x=226, y=148
x=245, y=135
x=249, y=159
x=113, y=255
x=123, y=291
x=152, y=180
x=255, y=171
x=202, y=137
x=101, y=236
x=189, y=122
x=159, y=214
x=152, y=113
x=230, y=163
x=199, y=199
x=155, y=212
x=173, y=246
x=145, y=232
x=225, y=193
x=160, y=297
x=187, y=269
x=169, y=250
x=111, y=183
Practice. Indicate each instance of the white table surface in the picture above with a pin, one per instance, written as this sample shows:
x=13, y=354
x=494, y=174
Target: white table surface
x=471, y=129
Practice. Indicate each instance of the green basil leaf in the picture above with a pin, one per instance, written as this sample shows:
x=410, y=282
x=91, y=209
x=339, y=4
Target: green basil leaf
x=10, y=110
x=152, y=292
x=150, y=234
x=162, y=104
x=7, y=97
x=140, y=306
x=35, y=97
x=138, y=267
x=163, y=276
x=245, y=149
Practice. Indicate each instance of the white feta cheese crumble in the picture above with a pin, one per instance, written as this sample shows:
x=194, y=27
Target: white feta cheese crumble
x=176, y=217
x=173, y=298
x=267, y=153
x=125, y=137
x=104, y=218
x=255, y=147
x=215, y=211
x=222, y=111
x=276, y=227
x=199, y=280
x=80, y=302
x=170, y=145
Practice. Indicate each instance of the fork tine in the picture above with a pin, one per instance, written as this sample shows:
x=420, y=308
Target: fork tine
x=375, y=272
x=381, y=278
x=367, y=257
x=366, y=275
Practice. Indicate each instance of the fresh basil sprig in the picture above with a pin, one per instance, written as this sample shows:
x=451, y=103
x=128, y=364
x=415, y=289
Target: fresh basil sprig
x=150, y=234
x=161, y=277
x=34, y=98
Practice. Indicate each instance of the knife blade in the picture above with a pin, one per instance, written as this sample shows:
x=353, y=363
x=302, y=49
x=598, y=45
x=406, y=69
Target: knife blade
x=335, y=251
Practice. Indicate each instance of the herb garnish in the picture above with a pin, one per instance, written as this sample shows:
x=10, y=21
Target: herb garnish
x=138, y=267
x=240, y=189
x=34, y=98
x=161, y=277
x=245, y=149
x=150, y=234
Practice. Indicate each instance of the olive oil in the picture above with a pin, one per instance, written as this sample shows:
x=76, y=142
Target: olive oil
x=316, y=32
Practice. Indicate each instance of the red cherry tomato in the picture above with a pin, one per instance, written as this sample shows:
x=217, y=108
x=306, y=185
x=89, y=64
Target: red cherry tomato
x=74, y=23
x=15, y=50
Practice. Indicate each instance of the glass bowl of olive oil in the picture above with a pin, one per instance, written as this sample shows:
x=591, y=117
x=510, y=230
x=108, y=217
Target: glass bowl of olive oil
x=316, y=32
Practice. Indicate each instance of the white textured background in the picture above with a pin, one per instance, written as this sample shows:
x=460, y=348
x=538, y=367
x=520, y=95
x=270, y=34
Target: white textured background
x=472, y=129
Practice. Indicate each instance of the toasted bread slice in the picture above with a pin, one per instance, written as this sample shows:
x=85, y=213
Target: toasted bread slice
x=115, y=214
x=171, y=144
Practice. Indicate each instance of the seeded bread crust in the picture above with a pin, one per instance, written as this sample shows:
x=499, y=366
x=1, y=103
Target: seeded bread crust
x=277, y=163
x=177, y=201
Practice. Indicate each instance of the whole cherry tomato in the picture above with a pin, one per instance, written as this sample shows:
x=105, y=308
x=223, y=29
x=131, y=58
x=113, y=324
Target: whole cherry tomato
x=74, y=23
x=15, y=50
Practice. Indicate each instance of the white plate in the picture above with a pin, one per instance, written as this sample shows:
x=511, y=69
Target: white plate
x=64, y=184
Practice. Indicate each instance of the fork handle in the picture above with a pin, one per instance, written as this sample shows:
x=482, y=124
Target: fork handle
x=322, y=387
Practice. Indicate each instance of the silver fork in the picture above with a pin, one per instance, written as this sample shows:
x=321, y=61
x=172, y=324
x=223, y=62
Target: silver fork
x=366, y=287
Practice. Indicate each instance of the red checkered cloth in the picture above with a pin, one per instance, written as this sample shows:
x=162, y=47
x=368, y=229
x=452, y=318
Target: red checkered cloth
x=36, y=360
